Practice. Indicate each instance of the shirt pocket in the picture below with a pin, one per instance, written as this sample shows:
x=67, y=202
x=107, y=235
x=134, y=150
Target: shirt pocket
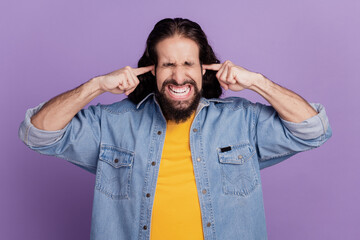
x=113, y=177
x=238, y=174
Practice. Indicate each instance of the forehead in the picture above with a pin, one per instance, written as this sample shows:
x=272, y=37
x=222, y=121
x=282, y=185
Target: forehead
x=177, y=48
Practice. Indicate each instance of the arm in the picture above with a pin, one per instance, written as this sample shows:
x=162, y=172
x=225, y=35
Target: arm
x=62, y=128
x=289, y=105
x=59, y=111
x=300, y=127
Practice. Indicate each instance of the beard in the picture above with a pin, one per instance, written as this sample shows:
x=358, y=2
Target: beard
x=177, y=110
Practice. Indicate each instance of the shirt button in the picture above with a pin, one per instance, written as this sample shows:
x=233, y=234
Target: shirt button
x=208, y=224
x=195, y=130
x=116, y=160
x=159, y=132
x=204, y=191
x=240, y=157
x=144, y=227
x=198, y=159
x=148, y=195
x=153, y=163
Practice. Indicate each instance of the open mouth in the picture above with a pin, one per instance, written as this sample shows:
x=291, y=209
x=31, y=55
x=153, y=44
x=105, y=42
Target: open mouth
x=179, y=92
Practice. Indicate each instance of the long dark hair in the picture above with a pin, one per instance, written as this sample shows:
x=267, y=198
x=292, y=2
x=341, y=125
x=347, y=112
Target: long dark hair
x=167, y=28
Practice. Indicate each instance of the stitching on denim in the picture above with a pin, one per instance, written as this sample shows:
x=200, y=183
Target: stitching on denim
x=125, y=154
x=110, y=195
x=253, y=183
x=277, y=156
x=154, y=176
x=147, y=178
x=238, y=194
x=144, y=100
x=207, y=199
x=98, y=175
x=317, y=144
x=324, y=129
x=111, y=147
x=107, y=192
x=234, y=105
x=91, y=128
x=126, y=110
x=256, y=116
x=197, y=168
x=74, y=161
x=246, y=143
x=27, y=135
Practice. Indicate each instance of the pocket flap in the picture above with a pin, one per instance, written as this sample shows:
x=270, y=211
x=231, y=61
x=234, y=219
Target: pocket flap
x=115, y=156
x=235, y=154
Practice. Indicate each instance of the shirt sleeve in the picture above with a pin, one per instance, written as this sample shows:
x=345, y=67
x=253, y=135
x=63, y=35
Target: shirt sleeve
x=278, y=139
x=78, y=142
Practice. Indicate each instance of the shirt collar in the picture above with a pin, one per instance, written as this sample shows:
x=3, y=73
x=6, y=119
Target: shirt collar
x=145, y=98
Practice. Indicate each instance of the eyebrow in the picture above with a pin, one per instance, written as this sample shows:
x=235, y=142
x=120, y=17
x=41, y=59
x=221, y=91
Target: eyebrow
x=189, y=63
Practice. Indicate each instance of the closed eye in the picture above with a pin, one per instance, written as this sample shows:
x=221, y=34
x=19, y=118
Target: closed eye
x=168, y=64
x=186, y=63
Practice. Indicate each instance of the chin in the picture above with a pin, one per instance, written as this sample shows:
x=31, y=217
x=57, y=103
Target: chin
x=181, y=105
x=176, y=110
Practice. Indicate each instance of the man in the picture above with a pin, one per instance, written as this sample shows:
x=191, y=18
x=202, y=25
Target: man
x=173, y=160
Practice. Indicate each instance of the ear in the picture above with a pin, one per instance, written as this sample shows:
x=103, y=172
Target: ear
x=203, y=71
x=153, y=72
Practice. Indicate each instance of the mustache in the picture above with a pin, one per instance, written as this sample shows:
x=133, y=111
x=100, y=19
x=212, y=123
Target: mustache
x=173, y=82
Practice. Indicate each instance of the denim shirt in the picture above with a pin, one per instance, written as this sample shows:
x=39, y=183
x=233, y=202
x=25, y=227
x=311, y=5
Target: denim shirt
x=231, y=139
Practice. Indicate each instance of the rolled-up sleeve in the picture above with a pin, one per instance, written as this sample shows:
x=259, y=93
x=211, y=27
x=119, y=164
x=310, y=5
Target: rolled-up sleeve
x=278, y=139
x=78, y=142
x=34, y=137
x=310, y=128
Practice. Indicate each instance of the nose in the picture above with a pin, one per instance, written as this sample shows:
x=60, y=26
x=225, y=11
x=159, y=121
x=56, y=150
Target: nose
x=179, y=74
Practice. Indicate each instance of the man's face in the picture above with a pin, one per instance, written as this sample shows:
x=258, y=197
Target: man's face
x=178, y=77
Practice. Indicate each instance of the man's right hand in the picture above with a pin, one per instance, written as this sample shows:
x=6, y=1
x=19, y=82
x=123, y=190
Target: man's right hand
x=123, y=80
x=59, y=111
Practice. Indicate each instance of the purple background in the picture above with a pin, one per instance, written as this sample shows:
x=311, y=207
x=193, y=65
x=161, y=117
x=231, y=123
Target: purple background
x=311, y=47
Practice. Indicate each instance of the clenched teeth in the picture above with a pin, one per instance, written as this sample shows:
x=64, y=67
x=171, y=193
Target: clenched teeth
x=179, y=90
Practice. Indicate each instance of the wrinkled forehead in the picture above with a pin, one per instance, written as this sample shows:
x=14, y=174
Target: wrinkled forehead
x=176, y=50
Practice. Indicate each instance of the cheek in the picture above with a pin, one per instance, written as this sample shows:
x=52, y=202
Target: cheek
x=161, y=76
x=159, y=83
x=197, y=78
x=158, y=78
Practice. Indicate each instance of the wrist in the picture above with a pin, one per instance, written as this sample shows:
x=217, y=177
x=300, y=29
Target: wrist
x=260, y=83
x=89, y=90
x=95, y=85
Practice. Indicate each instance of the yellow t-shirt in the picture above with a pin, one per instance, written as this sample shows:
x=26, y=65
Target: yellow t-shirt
x=176, y=211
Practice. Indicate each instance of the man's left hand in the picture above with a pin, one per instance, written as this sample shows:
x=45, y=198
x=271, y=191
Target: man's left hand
x=232, y=77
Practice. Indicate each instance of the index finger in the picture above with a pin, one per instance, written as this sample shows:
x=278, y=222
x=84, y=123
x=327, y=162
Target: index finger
x=142, y=70
x=214, y=67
